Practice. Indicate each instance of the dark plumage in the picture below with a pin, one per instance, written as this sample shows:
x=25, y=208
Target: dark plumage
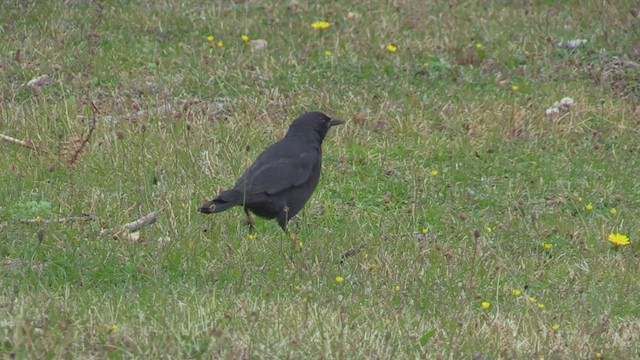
x=284, y=176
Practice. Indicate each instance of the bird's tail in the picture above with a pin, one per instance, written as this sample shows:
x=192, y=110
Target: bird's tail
x=226, y=200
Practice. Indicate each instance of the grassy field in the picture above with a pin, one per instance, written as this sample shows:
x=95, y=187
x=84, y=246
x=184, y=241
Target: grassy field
x=458, y=216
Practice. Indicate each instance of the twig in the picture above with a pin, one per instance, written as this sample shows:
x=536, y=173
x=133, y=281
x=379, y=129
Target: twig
x=27, y=143
x=351, y=252
x=59, y=221
x=132, y=226
x=85, y=140
x=142, y=222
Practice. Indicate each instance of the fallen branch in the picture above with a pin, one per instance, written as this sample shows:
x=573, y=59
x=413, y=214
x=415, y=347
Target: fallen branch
x=142, y=222
x=59, y=221
x=27, y=143
x=131, y=227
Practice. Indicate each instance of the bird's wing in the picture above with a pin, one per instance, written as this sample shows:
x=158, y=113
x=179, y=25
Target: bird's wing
x=272, y=175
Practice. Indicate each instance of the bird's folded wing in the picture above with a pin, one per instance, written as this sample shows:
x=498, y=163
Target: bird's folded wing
x=277, y=175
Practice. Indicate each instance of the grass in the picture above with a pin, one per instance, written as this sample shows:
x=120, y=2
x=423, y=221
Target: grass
x=464, y=94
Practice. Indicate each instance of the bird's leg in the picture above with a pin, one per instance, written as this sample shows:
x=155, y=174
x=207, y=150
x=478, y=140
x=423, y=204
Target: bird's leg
x=292, y=236
x=250, y=221
x=286, y=229
x=283, y=218
x=289, y=255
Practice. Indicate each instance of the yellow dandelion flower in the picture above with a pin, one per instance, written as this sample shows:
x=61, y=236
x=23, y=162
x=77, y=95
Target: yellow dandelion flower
x=589, y=207
x=515, y=88
x=396, y=288
x=392, y=48
x=619, y=240
x=488, y=229
x=425, y=231
x=328, y=54
x=339, y=279
x=211, y=38
x=541, y=306
x=321, y=25
x=245, y=39
x=515, y=292
x=555, y=327
x=301, y=245
x=435, y=172
x=580, y=199
x=533, y=299
x=479, y=46
x=113, y=328
x=252, y=236
x=547, y=246
x=598, y=354
x=613, y=211
x=486, y=305
x=220, y=43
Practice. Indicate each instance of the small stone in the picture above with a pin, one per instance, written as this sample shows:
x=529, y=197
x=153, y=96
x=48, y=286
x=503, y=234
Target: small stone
x=39, y=81
x=259, y=44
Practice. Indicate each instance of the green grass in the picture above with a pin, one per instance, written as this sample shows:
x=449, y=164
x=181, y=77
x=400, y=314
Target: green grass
x=430, y=249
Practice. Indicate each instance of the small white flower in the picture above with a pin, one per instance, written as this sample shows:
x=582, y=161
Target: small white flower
x=560, y=107
x=567, y=102
x=552, y=111
x=572, y=44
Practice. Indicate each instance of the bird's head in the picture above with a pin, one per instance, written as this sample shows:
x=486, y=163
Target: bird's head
x=313, y=124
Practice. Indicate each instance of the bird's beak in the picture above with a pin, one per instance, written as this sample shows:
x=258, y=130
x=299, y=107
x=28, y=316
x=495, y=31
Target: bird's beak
x=335, y=122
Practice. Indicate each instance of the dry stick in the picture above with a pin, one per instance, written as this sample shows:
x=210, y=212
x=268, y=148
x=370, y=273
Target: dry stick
x=142, y=222
x=85, y=140
x=132, y=226
x=59, y=221
x=27, y=143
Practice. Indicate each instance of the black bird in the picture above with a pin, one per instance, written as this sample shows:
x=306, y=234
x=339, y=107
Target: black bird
x=284, y=176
